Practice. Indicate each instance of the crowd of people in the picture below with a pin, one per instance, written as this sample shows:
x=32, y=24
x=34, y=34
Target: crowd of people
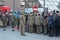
x=7, y=19
x=51, y=23
x=47, y=23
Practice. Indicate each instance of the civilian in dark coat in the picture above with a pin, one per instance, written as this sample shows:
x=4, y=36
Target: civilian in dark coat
x=57, y=24
x=51, y=23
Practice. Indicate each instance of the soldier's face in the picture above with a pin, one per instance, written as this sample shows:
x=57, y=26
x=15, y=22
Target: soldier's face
x=45, y=14
x=32, y=14
x=21, y=14
x=29, y=14
x=35, y=14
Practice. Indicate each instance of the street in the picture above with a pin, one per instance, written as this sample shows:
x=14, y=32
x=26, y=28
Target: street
x=14, y=35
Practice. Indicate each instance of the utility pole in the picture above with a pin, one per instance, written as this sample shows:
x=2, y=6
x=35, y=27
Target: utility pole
x=22, y=6
x=13, y=5
x=3, y=2
x=44, y=6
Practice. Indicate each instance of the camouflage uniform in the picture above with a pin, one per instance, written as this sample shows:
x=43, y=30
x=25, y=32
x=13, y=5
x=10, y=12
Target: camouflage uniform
x=22, y=24
x=30, y=22
x=4, y=21
x=1, y=22
x=13, y=20
x=38, y=23
x=45, y=21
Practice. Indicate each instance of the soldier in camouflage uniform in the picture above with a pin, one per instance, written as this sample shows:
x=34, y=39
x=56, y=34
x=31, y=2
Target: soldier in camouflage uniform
x=45, y=21
x=30, y=21
x=22, y=24
x=38, y=23
x=1, y=23
x=4, y=22
x=13, y=21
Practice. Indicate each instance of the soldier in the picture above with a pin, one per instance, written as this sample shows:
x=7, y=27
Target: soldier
x=4, y=22
x=13, y=21
x=45, y=21
x=38, y=23
x=22, y=24
x=30, y=22
x=57, y=26
x=1, y=23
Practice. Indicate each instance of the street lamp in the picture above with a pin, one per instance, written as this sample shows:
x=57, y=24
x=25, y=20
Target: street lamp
x=44, y=6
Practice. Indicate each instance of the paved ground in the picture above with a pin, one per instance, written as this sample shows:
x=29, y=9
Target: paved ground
x=9, y=35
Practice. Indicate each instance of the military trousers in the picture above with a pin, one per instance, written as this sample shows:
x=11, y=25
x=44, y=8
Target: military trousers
x=13, y=24
x=4, y=25
x=38, y=28
x=22, y=29
x=45, y=29
x=31, y=28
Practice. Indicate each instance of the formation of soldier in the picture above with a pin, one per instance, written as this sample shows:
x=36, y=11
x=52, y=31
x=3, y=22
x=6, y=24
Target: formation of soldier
x=33, y=22
x=32, y=19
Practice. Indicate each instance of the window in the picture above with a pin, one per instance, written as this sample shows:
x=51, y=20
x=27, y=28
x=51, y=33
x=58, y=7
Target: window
x=30, y=4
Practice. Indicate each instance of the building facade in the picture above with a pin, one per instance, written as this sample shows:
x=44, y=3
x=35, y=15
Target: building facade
x=31, y=3
x=15, y=4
